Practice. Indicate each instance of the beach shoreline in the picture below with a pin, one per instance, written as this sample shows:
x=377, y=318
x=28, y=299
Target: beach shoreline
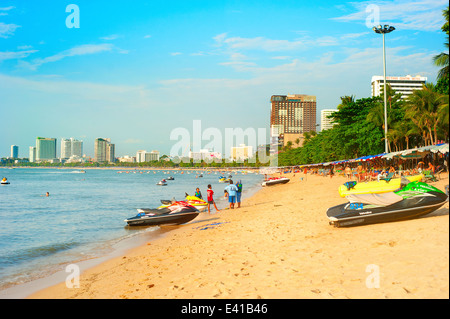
x=278, y=245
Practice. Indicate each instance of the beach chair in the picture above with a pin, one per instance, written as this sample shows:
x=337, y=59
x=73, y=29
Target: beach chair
x=387, y=178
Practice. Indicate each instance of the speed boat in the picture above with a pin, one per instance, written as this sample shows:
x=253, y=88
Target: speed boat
x=275, y=180
x=175, y=214
x=414, y=199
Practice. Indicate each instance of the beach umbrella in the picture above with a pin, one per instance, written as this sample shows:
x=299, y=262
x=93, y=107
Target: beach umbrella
x=441, y=148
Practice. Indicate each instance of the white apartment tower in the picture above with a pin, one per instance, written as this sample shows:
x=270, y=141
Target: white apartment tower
x=400, y=84
x=71, y=148
x=325, y=123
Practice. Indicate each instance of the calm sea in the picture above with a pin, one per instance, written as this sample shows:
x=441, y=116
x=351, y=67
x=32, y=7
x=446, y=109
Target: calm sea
x=83, y=218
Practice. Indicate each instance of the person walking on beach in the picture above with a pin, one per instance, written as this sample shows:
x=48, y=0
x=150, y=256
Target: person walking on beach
x=210, y=199
x=230, y=191
x=238, y=193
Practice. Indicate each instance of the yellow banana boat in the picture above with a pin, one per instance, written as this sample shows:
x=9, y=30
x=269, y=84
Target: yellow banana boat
x=382, y=186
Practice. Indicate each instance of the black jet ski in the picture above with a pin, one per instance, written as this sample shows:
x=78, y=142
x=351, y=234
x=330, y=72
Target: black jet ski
x=177, y=213
x=414, y=199
x=170, y=178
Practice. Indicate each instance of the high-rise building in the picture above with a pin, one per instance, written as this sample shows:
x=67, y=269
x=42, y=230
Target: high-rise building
x=45, y=148
x=111, y=153
x=293, y=113
x=71, y=148
x=32, y=155
x=66, y=148
x=104, y=151
x=76, y=147
x=400, y=84
x=326, y=123
x=14, y=151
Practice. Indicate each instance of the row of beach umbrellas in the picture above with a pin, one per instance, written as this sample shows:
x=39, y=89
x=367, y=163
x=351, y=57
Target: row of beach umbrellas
x=414, y=153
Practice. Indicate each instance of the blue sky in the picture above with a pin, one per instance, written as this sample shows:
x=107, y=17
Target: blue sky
x=135, y=70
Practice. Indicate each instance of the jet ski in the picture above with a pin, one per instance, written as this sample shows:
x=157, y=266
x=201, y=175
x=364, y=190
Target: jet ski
x=198, y=203
x=275, y=180
x=223, y=179
x=170, y=178
x=162, y=183
x=382, y=186
x=4, y=181
x=175, y=214
x=414, y=199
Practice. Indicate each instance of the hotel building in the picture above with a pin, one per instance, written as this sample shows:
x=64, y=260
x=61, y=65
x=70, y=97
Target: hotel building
x=400, y=84
x=144, y=156
x=32, y=155
x=71, y=148
x=326, y=123
x=45, y=148
x=14, y=151
x=104, y=151
x=292, y=115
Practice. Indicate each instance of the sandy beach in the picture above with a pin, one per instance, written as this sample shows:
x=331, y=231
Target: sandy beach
x=279, y=245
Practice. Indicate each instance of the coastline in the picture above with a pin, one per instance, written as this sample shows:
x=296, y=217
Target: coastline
x=278, y=245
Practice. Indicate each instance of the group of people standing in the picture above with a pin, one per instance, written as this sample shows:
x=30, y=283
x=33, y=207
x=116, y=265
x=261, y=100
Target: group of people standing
x=232, y=191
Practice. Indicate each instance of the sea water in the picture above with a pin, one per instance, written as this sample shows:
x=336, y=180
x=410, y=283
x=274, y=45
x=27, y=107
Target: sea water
x=83, y=216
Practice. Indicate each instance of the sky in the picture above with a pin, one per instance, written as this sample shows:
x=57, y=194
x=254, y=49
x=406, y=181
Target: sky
x=133, y=71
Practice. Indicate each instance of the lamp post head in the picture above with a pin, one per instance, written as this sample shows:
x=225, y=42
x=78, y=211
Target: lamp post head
x=383, y=29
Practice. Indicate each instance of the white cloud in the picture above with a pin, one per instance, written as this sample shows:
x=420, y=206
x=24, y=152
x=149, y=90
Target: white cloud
x=7, y=30
x=110, y=37
x=75, y=51
x=16, y=55
x=175, y=53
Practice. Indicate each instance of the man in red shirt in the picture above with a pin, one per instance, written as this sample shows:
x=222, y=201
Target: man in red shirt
x=210, y=199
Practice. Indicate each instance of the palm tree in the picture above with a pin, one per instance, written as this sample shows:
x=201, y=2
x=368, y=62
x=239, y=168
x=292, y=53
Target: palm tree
x=346, y=100
x=441, y=59
x=376, y=113
x=443, y=114
x=422, y=108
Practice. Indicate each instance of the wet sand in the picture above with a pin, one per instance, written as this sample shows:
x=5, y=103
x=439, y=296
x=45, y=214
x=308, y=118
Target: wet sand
x=279, y=245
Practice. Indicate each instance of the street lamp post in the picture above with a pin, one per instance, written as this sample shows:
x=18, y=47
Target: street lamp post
x=383, y=30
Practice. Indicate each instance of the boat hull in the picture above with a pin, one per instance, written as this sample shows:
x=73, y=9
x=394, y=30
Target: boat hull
x=376, y=186
x=275, y=182
x=354, y=214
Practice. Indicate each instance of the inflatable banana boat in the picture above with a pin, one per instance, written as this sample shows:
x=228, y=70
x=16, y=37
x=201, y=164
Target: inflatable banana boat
x=382, y=186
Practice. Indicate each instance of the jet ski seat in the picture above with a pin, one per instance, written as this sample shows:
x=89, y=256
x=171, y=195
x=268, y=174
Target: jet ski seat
x=154, y=211
x=383, y=199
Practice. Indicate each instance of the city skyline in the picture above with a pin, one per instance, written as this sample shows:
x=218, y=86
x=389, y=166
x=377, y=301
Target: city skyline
x=136, y=72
